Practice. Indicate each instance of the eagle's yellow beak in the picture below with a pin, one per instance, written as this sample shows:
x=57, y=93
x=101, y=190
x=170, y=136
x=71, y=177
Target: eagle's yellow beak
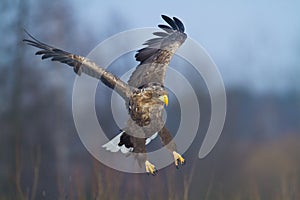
x=164, y=99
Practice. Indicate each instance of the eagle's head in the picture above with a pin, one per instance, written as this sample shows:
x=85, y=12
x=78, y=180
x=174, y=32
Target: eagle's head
x=156, y=91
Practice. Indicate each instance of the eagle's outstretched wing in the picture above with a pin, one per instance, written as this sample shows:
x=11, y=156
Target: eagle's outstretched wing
x=155, y=57
x=81, y=65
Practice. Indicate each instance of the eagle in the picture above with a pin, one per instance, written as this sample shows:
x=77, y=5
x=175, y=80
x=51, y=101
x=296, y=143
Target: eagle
x=144, y=94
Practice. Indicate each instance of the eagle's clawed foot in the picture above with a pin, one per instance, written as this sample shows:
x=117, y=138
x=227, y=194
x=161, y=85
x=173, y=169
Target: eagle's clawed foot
x=178, y=157
x=150, y=168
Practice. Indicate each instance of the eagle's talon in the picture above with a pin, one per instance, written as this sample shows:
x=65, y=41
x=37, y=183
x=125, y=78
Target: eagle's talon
x=178, y=157
x=150, y=168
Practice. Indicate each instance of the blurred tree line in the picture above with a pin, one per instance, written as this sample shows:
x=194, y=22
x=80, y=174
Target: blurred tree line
x=43, y=158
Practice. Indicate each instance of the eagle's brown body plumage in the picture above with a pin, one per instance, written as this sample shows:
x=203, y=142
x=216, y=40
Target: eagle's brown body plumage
x=143, y=108
x=144, y=94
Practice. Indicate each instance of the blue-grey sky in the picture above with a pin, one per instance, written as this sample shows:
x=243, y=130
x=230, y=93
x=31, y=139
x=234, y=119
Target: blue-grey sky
x=254, y=43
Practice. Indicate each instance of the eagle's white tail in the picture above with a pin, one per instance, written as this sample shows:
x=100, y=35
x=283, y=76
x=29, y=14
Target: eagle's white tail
x=113, y=146
x=148, y=140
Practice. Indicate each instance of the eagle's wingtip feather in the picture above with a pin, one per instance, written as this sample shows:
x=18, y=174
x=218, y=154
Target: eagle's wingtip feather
x=175, y=23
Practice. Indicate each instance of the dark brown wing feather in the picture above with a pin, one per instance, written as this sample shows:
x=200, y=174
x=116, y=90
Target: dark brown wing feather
x=81, y=64
x=155, y=57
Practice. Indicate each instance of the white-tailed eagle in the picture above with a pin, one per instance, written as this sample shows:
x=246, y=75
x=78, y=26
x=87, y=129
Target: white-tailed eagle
x=144, y=94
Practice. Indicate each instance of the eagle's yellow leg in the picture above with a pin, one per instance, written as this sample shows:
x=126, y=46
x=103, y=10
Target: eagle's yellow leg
x=178, y=157
x=150, y=168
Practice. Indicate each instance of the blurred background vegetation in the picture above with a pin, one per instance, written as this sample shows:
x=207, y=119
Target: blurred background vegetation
x=257, y=156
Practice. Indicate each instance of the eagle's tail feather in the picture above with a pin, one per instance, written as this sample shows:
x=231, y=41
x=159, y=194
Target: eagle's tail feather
x=114, y=145
x=123, y=143
x=148, y=140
